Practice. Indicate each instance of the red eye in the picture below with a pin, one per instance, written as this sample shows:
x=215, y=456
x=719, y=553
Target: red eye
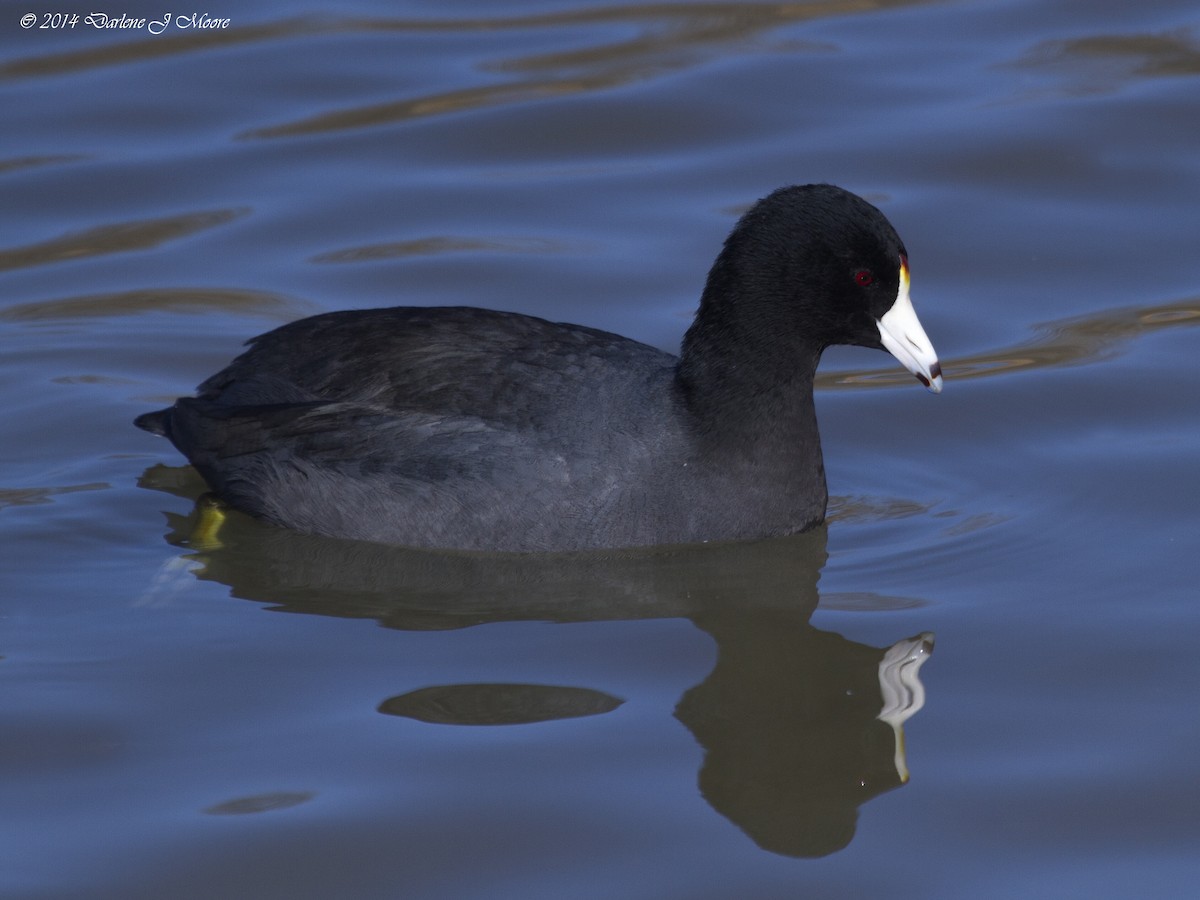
x=863, y=277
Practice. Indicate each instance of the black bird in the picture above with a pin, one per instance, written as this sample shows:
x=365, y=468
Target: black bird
x=470, y=429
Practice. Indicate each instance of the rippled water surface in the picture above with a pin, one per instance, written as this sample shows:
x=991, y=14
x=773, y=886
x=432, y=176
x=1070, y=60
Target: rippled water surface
x=703, y=722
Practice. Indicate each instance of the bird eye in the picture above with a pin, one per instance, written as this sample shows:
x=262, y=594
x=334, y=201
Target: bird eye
x=863, y=277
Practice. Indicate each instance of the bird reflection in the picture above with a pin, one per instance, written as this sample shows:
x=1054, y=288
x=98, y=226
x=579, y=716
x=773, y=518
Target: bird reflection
x=790, y=722
x=799, y=726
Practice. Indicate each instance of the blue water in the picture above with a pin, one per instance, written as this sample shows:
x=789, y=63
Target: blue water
x=289, y=717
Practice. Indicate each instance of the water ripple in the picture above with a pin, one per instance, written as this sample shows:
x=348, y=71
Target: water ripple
x=140, y=50
x=667, y=38
x=174, y=300
x=116, y=237
x=1076, y=341
x=440, y=244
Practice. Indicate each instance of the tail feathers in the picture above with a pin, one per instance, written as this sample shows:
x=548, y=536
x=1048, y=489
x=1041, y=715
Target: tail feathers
x=154, y=422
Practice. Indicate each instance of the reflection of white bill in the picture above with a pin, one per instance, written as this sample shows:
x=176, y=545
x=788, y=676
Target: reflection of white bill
x=903, y=693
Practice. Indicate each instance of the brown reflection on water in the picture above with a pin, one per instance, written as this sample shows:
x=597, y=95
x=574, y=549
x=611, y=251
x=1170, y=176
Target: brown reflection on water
x=148, y=47
x=14, y=163
x=116, y=237
x=498, y=704
x=174, y=300
x=259, y=803
x=1101, y=62
x=32, y=496
x=438, y=245
x=663, y=28
x=667, y=38
x=1076, y=341
x=873, y=509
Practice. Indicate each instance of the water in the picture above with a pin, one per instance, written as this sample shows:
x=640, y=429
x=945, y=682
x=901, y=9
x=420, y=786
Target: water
x=692, y=724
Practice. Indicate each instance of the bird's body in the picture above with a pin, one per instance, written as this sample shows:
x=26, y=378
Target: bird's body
x=466, y=428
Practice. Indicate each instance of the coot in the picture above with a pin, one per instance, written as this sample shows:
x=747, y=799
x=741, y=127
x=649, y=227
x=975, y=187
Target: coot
x=464, y=428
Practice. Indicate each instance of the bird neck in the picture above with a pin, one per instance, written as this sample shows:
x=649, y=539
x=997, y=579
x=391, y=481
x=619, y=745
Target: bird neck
x=756, y=433
x=746, y=390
